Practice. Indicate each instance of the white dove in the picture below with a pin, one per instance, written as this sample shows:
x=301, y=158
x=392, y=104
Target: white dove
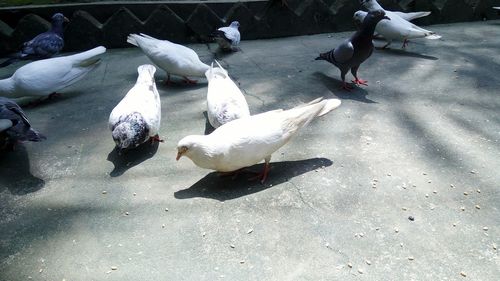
x=173, y=58
x=398, y=27
x=228, y=37
x=225, y=102
x=136, y=118
x=249, y=140
x=44, y=77
x=372, y=5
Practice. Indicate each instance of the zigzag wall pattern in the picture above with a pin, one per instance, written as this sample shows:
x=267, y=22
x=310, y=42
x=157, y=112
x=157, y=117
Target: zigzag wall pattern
x=109, y=24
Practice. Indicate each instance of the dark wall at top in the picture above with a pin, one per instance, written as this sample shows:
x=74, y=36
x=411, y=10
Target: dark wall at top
x=109, y=24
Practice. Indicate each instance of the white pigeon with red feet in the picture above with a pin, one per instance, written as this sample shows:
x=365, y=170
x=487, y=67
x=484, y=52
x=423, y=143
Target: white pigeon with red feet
x=247, y=141
x=136, y=119
x=175, y=59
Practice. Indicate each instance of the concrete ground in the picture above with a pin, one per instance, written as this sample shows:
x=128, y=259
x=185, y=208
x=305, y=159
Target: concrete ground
x=422, y=140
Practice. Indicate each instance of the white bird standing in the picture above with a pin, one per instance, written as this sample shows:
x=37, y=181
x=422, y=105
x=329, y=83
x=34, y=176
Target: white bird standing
x=249, y=140
x=398, y=27
x=137, y=117
x=44, y=77
x=173, y=58
x=225, y=101
x=228, y=37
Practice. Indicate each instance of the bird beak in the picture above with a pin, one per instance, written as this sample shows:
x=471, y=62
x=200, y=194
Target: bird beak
x=386, y=18
x=66, y=19
x=179, y=155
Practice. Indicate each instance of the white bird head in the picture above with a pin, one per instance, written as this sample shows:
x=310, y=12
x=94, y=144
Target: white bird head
x=190, y=146
x=235, y=24
x=358, y=17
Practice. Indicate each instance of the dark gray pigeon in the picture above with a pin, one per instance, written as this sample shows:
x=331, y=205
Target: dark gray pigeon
x=14, y=125
x=352, y=52
x=44, y=45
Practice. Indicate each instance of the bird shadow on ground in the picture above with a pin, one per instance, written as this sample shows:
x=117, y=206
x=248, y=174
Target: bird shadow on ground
x=32, y=102
x=404, y=53
x=224, y=188
x=208, y=127
x=179, y=84
x=131, y=158
x=15, y=172
x=332, y=84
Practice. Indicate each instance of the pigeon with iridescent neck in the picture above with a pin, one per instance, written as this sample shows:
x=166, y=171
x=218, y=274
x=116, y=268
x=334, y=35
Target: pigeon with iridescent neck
x=354, y=51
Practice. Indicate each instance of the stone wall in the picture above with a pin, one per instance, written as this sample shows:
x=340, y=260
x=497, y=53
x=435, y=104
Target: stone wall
x=109, y=24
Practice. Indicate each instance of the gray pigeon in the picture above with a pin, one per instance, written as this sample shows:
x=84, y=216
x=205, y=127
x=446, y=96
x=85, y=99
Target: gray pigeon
x=44, y=45
x=355, y=50
x=14, y=125
x=228, y=37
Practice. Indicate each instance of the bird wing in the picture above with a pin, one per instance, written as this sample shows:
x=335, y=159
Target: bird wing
x=343, y=52
x=44, y=45
x=5, y=124
x=231, y=34
x=167, y=55
x=225, y=102
x=411, y=16
x=50, y=75
x=10, y=110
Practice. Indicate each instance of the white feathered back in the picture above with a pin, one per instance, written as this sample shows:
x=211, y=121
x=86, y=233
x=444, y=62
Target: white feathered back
x=225, y=101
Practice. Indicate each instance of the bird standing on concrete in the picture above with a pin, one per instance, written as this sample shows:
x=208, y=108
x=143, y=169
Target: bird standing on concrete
x=225, y=101
x=137, y=117
x=44, y=45
x=398, y=27
x=228, y=37
x=173, y=58
x=352, y=52
x=249, y=140
x=14, y=125
x=44, y=77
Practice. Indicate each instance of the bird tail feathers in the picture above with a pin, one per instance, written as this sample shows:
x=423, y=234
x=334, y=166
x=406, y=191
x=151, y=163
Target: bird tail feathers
x=433, y=36
x=146, y=73
x=329, y=105
x=131, y=38
x=88, y=58
x=218, y=71
x=33, y=135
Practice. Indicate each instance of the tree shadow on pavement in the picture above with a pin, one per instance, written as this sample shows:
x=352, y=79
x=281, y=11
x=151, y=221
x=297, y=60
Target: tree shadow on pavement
x=224, y=188
x=131, y=158
x=15, y=172
x=404, y=53
x=333, y=85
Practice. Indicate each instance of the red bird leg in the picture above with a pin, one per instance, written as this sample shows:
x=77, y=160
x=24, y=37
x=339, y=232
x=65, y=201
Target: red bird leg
x=167, y=81
x=358, y=81
x=405, y=43
x=54, y=95
x=262, y=175
x=189, y=81
x=154, y=139
x=346, y=86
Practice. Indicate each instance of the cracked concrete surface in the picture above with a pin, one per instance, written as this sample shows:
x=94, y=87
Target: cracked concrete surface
x=421, y=140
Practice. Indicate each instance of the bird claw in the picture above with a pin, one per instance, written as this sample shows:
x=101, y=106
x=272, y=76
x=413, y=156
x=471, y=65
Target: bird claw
x=346, y=87
x=154, y=139
x=360, y=82
x=189, y=81
x=405, y=43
